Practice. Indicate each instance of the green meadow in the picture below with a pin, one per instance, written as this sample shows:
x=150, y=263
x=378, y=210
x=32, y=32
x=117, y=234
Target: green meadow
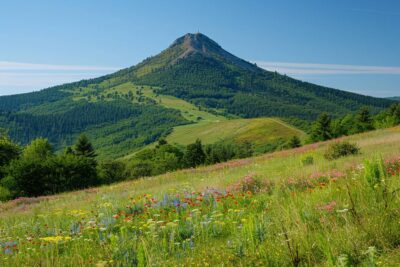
x=288, y=208
x=207, y=125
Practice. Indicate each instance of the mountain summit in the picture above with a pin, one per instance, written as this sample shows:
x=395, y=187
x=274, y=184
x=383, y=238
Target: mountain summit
x=187, y=47
x=198, y=43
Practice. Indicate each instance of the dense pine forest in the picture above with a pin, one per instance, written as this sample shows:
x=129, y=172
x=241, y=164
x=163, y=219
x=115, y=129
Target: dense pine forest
x=209, y=82
x=141, y=124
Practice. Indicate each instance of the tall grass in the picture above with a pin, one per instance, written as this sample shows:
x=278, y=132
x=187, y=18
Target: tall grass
x=265, y=211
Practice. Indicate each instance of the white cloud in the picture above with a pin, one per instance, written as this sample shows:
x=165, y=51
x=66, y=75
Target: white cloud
x=20, y=66
x=18, y=77
x=310, y=68
x=40, y=80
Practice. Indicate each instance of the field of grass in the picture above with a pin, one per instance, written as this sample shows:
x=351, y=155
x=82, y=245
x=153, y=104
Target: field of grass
x=259, y=130
x=188, y=110
x=271, y=210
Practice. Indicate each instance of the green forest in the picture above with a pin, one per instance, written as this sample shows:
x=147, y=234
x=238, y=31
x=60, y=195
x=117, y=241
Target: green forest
x=35, y=169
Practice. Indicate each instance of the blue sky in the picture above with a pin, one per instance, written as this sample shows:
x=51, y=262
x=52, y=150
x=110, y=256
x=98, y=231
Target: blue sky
x=349, y=45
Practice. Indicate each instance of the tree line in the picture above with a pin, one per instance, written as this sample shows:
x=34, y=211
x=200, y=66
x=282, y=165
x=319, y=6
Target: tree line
x=36, y=170
x=325, y=128
x=167, y=157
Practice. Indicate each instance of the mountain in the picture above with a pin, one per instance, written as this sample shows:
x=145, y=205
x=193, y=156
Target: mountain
x=197, y=69
x=132, y=108
x=395, y=98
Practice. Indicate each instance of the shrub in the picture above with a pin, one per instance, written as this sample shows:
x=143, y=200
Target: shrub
x=375, y=172
x=307, y=159
x=112, y=171
x=294, y=142
x=341, y=149
x=5, y=194
x=139, y=169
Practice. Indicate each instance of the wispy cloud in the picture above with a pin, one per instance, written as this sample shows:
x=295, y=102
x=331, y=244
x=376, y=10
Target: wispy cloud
x=8, y=65
x=18, y=77
x=374, y=11
x=36, y=81
x=326, y=69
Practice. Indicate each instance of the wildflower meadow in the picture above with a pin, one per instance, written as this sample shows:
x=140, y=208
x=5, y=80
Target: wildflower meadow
x=272, y=210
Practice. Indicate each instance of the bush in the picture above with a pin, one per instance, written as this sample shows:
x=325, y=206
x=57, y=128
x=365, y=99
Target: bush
x=307, y=160
x=5, y=194
x=112, y=171
x=139, y=169
x=341, y=149
x=294, y=142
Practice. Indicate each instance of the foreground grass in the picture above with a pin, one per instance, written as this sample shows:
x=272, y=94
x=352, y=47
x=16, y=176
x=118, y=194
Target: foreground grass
x=269, y=210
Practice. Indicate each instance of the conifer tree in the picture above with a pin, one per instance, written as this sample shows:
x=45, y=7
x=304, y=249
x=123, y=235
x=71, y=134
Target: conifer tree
x=194, y=154
x=294, y=142
x=321, y=129
x=364, y=121
x=84, y=147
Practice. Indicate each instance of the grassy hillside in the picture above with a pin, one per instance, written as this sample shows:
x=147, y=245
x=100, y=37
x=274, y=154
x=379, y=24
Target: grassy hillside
x=207, y=125
x=271, y=210
x=261, y=131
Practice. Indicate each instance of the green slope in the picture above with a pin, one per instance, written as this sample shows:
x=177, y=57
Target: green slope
x=326, y=211
x=261, y=131
x=209, y=127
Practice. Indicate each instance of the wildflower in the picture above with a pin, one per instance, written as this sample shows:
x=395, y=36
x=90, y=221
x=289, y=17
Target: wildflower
x=9, y=247
x=327, y=207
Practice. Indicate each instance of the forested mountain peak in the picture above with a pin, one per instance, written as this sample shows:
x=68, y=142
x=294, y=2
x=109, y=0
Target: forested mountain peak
x=194, y=45
x=197, y=69
x=196, y=41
